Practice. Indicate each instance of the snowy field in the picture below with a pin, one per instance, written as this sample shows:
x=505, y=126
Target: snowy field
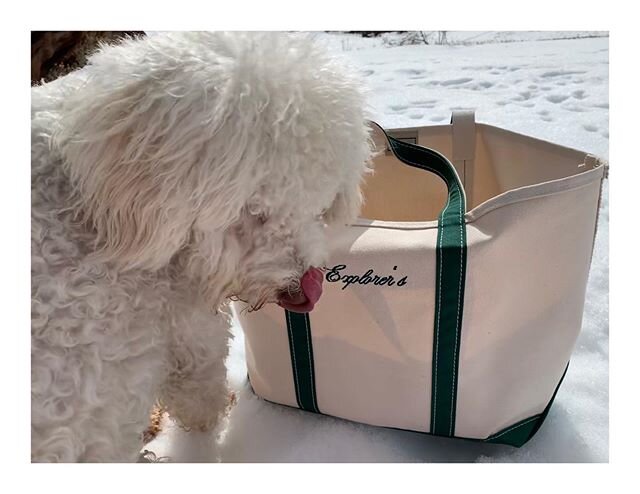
x=556, y=90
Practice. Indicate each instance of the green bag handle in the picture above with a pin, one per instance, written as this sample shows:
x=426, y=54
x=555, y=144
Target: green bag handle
x=451, y=262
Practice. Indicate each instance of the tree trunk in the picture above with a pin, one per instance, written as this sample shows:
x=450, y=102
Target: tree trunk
x=56, y=53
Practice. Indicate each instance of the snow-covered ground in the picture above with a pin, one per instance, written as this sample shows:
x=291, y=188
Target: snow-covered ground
x=556, y=90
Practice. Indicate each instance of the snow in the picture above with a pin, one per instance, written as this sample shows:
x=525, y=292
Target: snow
x=556, y=90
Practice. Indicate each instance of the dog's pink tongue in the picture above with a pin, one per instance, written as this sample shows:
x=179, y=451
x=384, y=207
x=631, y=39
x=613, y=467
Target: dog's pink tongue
x=308, y=296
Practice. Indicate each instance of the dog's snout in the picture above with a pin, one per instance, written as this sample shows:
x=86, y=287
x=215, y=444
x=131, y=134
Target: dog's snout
x=307, y=295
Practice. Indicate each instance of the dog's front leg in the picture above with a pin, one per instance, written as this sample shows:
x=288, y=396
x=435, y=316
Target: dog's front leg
x=195, y=393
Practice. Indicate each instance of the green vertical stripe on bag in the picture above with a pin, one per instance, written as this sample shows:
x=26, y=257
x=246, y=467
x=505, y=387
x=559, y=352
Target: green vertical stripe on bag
x=301, y=349
x=451, y=262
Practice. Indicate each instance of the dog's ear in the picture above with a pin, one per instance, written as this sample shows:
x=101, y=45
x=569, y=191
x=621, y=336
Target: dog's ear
x=125, y=190
x=147, y=160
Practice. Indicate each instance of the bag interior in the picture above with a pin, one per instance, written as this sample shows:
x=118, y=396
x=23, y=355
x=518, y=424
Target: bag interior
x=503, y=161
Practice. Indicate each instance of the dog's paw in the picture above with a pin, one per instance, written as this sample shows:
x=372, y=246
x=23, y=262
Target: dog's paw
x=147, y=456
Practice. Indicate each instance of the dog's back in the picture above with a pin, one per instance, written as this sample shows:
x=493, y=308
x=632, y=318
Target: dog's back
x=94, y=331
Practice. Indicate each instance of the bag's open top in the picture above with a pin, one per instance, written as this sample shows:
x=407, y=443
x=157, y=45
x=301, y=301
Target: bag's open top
x=490, y=161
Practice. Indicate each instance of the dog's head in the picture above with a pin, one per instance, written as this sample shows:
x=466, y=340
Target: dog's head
x=220, y=157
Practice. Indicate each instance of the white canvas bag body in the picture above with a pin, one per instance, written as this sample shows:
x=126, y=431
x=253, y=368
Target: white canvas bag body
x=443, y=312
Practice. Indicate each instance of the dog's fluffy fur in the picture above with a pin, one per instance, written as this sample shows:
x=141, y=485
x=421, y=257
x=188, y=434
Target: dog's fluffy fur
x=169, y=175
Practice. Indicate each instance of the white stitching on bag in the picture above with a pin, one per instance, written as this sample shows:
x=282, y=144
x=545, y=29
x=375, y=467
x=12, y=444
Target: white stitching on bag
x=455, y=370
x=435, y=380
x=514, y=427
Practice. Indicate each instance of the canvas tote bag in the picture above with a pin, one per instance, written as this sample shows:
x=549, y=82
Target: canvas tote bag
x=452, y=305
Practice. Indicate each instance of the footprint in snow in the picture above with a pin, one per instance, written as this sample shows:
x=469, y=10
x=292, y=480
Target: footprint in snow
x=558, y=73
x=579, y=94
x=366, y=73
x=590, y=128
x=522, y=96
x=428, y=84
x=416, y=116
x=437, y=118
x=456, y=82
x=602, y=105
x=427, y=103
x=398, y=108
x=477, y=67
x=557, y=98
x=575, y=108
x=481, y=85
x=414, y=72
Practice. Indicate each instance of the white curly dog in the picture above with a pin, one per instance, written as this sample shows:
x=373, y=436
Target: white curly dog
x=173, y=173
